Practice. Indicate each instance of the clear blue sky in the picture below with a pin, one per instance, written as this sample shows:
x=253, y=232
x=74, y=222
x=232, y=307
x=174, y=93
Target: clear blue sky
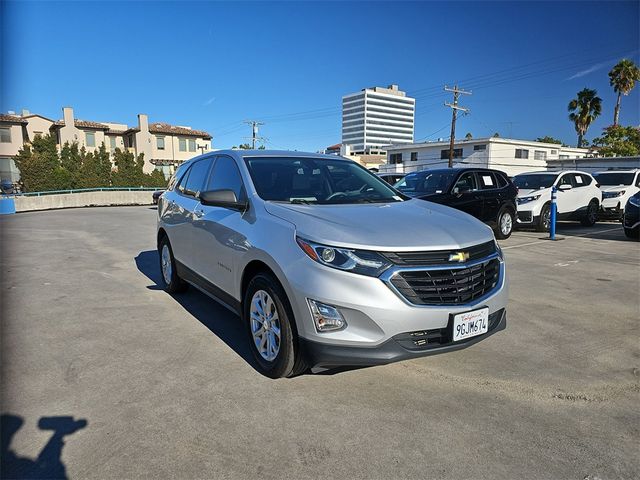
x=213, y=64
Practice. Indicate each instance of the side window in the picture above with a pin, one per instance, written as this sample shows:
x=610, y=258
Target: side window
x=466, y=182
x=502, y=181
x=566, y=180
x=578, y=180
x=487, y=180
x=176, y=177
x=194, y=181
x=586, y=179
x=638, y=180
x=226, y=176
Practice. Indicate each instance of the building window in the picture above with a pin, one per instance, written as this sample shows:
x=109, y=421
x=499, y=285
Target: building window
x=522, y=153
x=554, y=152
x=192, y=145
x=564, y=157
x=160, y=143
x=457, y=153
x=90, y=138
x=414, y=156
x=395, y=158
x=35, y=134
x=5, y=135
x=539, y=155
x=182, y=144
x=112, y=143
x=480, y=147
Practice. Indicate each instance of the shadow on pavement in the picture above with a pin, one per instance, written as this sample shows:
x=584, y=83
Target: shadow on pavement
x=48, y=464
x=600, y=231
x=220, y=321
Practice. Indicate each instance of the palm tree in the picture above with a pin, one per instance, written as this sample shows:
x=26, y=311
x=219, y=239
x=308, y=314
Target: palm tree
x=584, y=110
x=623, y=78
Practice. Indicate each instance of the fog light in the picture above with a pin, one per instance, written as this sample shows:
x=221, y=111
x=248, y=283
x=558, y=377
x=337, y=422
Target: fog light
x=326, y=317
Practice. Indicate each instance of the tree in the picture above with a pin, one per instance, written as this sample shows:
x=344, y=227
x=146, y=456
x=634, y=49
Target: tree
x=468, y=136
x=623, y=78
x=618, y=141
x=583, y=111
x=548, y=139
x=40, y=167
x=71, y=162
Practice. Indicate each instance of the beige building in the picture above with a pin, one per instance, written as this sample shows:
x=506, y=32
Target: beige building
x=164, y=146
x=370, y=158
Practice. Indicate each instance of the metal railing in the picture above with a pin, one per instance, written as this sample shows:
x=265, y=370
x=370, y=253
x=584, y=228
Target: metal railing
x=81, y=190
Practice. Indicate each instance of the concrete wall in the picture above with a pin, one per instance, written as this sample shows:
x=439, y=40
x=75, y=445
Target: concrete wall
x=82, y=199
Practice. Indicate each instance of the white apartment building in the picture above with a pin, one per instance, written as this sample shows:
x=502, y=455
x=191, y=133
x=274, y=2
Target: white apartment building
x=164, y=146
x=376, y=117
x=509, y=155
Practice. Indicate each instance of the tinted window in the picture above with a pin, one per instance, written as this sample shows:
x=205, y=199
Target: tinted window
x=535, y=181
x=467, y=182
x=196, y=177
x=615, y=178
x=487, y=180
x=317, y=180
x=502, y=181
x=566, y=180
x=426, y=183
x=177, y=176
x=586, y=179
x=226, y=176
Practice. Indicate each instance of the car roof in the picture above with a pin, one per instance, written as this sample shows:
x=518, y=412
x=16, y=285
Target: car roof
x=240, y=154
x=457, y=170
x=620, y=170
x=553, y=172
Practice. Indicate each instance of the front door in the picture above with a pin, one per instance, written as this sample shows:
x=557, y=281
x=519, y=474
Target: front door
x=465, y=195
x=567, y=201
x=218, y=241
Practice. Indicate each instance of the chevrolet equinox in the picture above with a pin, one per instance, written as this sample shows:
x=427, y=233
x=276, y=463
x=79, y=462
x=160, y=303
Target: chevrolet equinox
x=326, y=264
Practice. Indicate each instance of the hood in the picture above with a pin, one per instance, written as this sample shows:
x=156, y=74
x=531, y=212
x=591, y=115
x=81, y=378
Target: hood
x=399, y=226
x=526, y=192
x=614, y=188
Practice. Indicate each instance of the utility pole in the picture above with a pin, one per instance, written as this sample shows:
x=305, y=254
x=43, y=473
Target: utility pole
x=454, y=108
x=254, y=132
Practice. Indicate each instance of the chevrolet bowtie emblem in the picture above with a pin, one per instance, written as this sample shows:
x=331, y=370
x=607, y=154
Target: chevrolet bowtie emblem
x=459, y=257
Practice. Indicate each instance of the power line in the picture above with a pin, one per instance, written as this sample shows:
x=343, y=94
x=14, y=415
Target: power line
x=254, y=132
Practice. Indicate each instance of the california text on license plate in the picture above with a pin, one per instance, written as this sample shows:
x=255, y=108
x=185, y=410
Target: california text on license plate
x=470, y=324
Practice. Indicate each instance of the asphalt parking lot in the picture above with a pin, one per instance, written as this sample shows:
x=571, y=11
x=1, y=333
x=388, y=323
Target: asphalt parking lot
x=167, y=388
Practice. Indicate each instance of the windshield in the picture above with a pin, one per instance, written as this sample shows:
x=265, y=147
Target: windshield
x=426, y=183
x=534, y=182
x=617, y=178
x=317, y=181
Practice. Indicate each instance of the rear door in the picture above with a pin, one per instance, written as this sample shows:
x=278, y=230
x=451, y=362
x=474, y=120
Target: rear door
x=491, y=195
x=465, y=195
x=183, y=207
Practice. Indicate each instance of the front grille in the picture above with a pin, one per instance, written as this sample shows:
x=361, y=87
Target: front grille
x=438, y=337
x=439, y=257
x=525, y=216
x=448, y=286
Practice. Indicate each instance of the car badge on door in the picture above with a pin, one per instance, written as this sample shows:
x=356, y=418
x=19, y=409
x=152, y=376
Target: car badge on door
x=459, y=257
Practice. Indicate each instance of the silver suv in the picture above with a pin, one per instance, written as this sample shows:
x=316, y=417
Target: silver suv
x=325, y=263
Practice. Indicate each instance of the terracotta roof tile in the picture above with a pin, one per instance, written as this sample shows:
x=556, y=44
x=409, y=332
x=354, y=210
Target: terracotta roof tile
x=6, y=118
x=83, y=124
x=159, y=127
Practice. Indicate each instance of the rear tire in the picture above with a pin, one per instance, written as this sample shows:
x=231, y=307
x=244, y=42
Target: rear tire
x=171, y=282
x=505, y=222
x=269, y=321
x=590, y=218
x=544, y=220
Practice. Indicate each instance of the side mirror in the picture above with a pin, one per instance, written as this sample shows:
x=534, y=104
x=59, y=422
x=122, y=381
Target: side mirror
x=222, y=198
x=564, y=187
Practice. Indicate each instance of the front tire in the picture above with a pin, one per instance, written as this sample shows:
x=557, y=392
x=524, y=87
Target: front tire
x=171, y=282
x=590, y=218
x=505, y=222
x=544, y=220
x=269, y=320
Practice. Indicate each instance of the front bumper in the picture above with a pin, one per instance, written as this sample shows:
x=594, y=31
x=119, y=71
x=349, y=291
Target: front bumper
x=400, y=347
x=610, y=209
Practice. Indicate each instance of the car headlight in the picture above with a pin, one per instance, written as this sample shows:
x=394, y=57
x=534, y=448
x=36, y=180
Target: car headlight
x=528, y=199
x=635, y=200
x=499, y=250
x=613, y=194
x=357, y=261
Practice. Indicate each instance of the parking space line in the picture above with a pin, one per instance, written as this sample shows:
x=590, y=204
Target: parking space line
x=565, y=237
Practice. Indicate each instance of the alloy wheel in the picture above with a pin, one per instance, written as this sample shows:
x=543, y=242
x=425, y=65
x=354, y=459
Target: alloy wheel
x=265, y=325
x=165, y=260
x=506, y=223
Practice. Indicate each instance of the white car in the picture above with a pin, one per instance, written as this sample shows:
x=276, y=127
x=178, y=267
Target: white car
x=617, y=187
x=578, y=198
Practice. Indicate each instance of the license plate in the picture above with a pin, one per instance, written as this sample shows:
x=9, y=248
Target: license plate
x=470, y=324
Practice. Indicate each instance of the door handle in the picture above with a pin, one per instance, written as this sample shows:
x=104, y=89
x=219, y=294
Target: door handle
x=198, y=213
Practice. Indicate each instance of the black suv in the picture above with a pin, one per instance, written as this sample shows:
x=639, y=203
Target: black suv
x=486, y=194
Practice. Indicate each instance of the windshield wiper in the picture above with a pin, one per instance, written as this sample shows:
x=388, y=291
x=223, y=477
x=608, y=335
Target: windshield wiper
x=301, y=201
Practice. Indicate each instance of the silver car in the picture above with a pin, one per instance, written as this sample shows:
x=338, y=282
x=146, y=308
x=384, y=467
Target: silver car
x=326, y=264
